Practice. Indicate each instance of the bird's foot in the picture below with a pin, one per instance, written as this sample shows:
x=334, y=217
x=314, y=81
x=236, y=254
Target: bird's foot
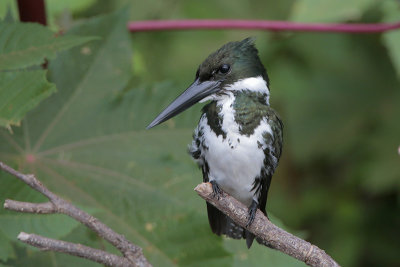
x=217, y=192
x=252, y=212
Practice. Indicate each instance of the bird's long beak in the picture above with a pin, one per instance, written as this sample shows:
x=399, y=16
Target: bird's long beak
x=196, y=92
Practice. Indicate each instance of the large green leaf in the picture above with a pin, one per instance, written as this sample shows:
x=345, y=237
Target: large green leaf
x=20, y=91
x=53, y=226
x=23, y=45
x=26, y=44
x=88, y=143
x=6, y=250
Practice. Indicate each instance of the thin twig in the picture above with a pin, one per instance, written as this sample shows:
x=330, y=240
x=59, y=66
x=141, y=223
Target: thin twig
x=266, y=232
x=28, y=207
x=131, y=252
x=78, y=250
x=162, y=25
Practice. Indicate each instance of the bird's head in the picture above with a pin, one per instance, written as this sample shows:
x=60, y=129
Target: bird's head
x=233, y=62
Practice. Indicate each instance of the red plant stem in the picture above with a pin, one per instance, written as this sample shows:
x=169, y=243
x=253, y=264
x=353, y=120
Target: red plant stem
x=161, y=25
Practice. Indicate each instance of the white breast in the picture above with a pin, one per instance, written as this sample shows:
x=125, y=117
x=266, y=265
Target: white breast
x=236, y=160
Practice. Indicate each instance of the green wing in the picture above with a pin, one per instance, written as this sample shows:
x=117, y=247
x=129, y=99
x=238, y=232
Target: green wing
x=277, y=131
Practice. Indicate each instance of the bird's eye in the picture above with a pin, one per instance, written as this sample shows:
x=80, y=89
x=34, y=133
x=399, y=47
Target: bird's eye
x=224, y=68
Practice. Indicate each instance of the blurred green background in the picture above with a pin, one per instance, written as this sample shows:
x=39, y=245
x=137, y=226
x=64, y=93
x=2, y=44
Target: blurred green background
x=338, y=181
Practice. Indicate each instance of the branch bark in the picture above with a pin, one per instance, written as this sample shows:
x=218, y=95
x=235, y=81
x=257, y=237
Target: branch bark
x=78, y=250
x=27, y=207
x=132, y=254
x=266, y=232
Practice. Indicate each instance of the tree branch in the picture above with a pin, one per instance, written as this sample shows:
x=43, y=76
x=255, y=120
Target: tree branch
x=27, y=207
x=266, y=232
x=132, y=253
x=78, y=250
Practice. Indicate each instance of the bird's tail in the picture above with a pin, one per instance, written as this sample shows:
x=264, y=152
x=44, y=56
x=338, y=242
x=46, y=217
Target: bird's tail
x=223, y=225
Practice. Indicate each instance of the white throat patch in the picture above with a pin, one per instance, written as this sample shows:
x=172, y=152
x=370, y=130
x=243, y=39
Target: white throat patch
x=254, y=84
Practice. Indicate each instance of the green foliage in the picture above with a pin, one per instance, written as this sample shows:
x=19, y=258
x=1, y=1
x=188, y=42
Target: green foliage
x=56, y=7
x=26, y=44
x=391, y=10
x=6, y=249
x=20, y=92
x=23, y=45
x=56, y=226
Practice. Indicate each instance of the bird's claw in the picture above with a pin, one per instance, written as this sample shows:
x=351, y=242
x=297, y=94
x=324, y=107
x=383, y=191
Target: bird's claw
x=252, y=213
x=217, y=192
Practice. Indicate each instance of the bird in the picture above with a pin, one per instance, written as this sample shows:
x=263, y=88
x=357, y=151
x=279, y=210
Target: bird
x=238, y=141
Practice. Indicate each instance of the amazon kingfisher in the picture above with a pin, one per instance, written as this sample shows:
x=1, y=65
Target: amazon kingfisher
x=238, y=141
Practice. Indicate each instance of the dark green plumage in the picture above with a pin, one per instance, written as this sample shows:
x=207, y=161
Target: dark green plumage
x=242, y=57
x=214, y=119
x=276, y=141
x=250, y=108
